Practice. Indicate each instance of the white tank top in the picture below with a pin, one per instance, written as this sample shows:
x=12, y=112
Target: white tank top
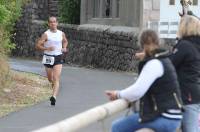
x=54, y=39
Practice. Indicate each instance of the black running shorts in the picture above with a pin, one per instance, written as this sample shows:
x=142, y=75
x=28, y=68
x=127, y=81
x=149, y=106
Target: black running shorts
x=58, y=59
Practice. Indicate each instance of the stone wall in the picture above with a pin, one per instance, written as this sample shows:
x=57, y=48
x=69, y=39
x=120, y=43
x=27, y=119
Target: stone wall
x=95, y=46
x=25, y=32
x=42, y=9
x=108, y=47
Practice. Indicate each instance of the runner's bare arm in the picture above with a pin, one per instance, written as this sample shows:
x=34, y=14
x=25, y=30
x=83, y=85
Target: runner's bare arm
x=64, y=41
x=40, y=43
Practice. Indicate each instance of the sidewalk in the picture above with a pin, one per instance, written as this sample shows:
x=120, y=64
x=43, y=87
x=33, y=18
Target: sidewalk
x=81, y=89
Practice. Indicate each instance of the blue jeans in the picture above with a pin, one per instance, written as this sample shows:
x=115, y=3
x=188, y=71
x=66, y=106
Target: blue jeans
x=131, y=124
x=191, y=118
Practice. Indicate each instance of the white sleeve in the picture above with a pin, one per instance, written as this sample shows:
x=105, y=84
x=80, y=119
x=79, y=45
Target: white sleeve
x=151, y=71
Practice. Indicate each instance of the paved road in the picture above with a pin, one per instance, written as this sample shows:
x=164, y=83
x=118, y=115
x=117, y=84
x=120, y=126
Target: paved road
x=81, y=89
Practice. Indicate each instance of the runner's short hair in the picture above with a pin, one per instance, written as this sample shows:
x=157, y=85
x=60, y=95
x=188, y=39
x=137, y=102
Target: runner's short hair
x=52, y=17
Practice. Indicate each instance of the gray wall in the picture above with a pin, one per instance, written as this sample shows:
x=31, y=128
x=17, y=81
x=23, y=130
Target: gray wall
x=98, y=47
x=133, y=13
x=129, y=14
x=150, y=11
x=42, y=9
x=101, y=47
x=108, y=47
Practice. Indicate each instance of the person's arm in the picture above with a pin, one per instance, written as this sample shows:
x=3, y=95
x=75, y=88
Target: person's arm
x=40, y=43
x=140, y=55
x=64, y=43
x=151, y=71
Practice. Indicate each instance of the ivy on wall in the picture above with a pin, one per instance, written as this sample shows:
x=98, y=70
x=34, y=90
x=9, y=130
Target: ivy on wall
x=69, y=11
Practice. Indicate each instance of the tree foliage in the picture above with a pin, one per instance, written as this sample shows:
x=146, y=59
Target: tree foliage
x=4, y=14
x=69, y=11
x=10, y=11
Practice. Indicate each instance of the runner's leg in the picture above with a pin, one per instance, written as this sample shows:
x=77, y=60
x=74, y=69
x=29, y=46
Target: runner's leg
x=56, y=78
x=49, y=72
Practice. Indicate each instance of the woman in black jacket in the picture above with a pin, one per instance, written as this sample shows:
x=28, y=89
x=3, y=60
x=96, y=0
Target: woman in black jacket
x=186, y=59
x=157, y=88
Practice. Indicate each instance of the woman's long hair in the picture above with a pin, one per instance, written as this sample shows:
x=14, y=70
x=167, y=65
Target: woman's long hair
x=149, y=38
x=188, y=26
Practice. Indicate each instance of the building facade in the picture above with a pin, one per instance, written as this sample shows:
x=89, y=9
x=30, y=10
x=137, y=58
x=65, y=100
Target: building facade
x=133, y=13
x=170, y=8
x=161, y=16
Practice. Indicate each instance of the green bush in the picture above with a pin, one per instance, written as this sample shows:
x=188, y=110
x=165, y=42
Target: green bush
x=4, y=14
x=10, y=11
x=69, y=11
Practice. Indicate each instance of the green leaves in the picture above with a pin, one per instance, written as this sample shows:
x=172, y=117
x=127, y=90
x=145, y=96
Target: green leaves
x=69, y=11
x=4, y=14
x=10, y=11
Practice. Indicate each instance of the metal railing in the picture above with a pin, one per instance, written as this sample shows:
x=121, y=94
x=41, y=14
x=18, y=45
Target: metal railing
x=166, y=29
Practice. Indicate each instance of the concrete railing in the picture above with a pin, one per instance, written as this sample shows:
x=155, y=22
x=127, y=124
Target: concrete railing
x=81, y=120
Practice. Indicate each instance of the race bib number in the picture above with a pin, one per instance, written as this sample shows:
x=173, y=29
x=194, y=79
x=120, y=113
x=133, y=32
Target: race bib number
x=48, y=60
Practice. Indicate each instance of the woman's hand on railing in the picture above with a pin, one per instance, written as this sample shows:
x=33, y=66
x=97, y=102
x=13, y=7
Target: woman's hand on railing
x=112, y=94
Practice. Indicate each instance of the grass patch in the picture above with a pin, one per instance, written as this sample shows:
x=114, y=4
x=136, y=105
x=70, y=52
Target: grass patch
x=24, y=89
